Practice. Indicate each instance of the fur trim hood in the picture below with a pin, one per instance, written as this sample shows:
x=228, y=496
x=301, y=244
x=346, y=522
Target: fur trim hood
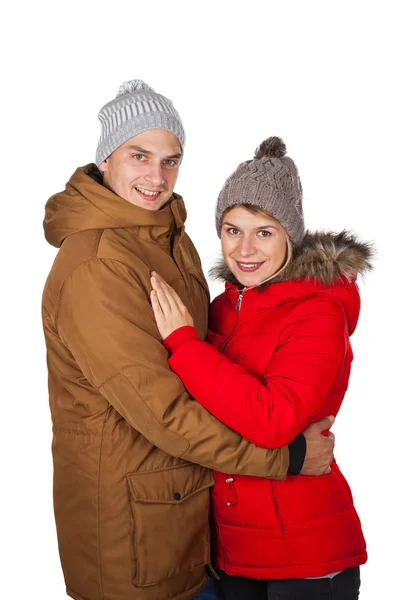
x=322, y=256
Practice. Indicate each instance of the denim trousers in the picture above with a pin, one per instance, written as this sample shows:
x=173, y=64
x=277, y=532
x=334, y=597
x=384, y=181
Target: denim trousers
x=211, y=591
x=344, y=586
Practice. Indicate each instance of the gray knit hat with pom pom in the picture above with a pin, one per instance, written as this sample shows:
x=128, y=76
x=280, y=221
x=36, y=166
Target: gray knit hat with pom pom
x=136, y=108
x=270, y=182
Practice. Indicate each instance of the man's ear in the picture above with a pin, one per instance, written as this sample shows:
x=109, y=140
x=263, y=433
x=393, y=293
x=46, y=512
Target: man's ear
x=103, y=166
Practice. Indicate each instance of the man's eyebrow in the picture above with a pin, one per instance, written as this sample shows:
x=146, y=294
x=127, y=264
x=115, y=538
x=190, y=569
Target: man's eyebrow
x=138, y=149
x=144, y=151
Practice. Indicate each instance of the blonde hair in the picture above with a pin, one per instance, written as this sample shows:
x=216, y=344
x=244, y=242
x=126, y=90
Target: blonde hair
x=289, y=256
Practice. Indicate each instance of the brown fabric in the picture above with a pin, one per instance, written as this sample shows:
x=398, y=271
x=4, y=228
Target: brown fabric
x=131, y=511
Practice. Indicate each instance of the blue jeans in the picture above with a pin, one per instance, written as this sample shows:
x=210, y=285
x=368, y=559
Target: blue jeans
x=211, y=591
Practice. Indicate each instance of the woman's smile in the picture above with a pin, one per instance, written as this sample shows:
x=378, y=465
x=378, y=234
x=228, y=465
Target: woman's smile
x=249, y=267
x=254, y=245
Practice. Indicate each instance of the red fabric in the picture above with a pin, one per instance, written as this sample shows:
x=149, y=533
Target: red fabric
x=178, y=337
x=285, y=364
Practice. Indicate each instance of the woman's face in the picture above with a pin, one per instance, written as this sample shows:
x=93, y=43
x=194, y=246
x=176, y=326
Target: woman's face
x=253, y=245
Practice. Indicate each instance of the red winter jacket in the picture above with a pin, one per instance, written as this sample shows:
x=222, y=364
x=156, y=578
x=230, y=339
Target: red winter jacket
x=278, y=360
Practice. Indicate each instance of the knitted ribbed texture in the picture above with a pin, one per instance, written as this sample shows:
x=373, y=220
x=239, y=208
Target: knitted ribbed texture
x=269, y=182
x=136, y=108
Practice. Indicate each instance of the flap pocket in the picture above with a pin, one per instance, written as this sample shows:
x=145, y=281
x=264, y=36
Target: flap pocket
x=172, y=485
x=170, y=510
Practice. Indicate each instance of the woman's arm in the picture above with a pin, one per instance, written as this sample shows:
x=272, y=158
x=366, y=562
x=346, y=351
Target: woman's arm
x=270, y=412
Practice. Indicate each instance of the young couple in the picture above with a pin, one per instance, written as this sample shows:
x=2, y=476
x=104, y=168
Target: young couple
x=134, y=455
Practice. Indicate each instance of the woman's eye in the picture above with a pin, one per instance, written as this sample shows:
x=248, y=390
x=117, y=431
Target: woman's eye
x=232, y=231
x=264, y=233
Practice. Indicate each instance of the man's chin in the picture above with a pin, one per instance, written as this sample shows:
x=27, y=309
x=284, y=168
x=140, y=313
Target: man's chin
x=147, y=203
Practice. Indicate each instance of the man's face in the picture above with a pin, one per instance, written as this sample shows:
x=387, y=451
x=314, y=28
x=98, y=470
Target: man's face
x=144, y=169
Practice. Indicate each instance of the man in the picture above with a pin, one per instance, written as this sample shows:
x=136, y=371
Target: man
x=131, y=449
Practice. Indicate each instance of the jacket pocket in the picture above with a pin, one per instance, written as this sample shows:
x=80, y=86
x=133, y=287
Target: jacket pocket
x=170, y=511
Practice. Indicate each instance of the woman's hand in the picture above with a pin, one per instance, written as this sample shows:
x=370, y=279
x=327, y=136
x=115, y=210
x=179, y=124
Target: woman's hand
x=169, y=311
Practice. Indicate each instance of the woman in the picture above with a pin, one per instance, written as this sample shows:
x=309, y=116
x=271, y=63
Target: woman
x=277, y=359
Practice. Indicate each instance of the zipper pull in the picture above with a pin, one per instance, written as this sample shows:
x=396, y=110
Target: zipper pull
x=239, y=300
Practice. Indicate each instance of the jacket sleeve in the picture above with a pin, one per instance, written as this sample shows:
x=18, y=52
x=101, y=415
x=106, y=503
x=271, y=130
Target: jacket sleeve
x=273, y=410
x=106, y=321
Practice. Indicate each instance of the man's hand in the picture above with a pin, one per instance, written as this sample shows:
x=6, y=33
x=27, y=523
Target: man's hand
x=319, y=453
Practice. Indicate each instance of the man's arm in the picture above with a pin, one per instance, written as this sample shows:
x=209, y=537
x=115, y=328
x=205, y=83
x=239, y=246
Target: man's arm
x=105, y=320
x=272, y=410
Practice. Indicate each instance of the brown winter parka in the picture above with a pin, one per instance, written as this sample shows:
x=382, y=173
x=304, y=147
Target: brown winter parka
x=131, y=449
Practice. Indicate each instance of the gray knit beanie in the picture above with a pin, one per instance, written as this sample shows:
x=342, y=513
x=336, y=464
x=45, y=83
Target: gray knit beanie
x=136, y=108
x=270, y=182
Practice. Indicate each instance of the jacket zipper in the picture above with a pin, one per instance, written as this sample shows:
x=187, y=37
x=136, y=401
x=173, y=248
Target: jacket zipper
x=239, y=300
x=277, y=509
x=184, y=275
x=237, y=307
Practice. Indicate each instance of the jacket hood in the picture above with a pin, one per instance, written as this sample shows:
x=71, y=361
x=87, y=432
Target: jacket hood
x=323, y=262
x=87, y=204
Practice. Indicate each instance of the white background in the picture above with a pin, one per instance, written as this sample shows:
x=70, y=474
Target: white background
x=323, y=76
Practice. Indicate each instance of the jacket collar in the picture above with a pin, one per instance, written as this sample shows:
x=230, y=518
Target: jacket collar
x=87, y=204
x=325, y=262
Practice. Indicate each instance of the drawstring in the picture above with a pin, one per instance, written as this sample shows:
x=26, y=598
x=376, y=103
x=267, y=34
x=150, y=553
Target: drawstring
x=231, y=497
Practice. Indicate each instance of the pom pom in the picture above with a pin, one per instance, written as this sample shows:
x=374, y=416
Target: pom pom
x=134, y=85
x=272, y=146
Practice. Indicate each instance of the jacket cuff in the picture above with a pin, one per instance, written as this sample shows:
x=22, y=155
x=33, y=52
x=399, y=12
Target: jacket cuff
x=297, y=454
x=179, y=337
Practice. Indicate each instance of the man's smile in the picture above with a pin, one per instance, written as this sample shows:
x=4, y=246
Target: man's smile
x=148, y=194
